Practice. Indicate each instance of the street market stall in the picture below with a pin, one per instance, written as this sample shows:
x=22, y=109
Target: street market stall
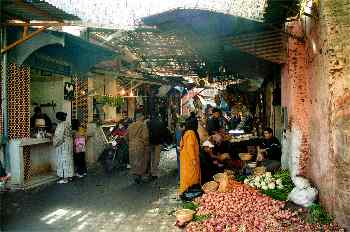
x=45, y=78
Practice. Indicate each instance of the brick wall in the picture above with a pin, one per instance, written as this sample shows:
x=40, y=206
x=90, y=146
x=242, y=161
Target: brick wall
x=317, y=80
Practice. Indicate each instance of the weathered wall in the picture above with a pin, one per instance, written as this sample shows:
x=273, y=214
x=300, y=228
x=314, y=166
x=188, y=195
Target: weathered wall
x=295, y=93
x=335, y=32
x=316, y=91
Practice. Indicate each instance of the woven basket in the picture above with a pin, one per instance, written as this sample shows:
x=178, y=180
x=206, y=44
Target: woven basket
x=184, y=215
x=229, y=173
x=258, y=171
x=245, y=156
x=219, y=177
x=210, y=186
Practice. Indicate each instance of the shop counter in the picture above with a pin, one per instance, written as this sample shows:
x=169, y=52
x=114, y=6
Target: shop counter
x=31, y=157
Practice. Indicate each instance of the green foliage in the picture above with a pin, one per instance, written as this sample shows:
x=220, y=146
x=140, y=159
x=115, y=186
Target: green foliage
x=190, y=205
x=318, y=215
x=281, y=194
x=198, y=218
x=240, y=178
x=110, y=101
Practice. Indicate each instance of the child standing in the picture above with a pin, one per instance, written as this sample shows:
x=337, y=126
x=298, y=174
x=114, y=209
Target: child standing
x=79, y=152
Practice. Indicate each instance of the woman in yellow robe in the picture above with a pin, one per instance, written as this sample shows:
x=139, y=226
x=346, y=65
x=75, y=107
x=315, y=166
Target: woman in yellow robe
x=190, y=173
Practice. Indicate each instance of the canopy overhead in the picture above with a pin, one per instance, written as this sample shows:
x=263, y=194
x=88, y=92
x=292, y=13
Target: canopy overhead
x=33, y=10
x=126, y=14
x=59, y=52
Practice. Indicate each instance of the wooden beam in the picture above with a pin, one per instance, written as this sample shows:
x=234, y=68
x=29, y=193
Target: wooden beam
x=23, y=39
x=29, y=24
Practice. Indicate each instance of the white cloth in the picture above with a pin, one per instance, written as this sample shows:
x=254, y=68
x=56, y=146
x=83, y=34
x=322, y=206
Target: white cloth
x=64, y=150
x=207, y=144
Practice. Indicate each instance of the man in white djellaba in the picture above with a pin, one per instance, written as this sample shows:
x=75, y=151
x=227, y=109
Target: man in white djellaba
x=63, y=142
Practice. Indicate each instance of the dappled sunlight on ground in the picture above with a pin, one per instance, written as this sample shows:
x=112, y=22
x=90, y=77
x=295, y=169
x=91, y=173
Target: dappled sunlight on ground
x=99, y=203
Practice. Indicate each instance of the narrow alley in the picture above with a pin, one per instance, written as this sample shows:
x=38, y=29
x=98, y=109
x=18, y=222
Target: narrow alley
x=175, y=115
x=97, y=203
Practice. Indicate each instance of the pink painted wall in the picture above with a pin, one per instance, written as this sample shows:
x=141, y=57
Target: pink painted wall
x=295, y=92
x=316, y=91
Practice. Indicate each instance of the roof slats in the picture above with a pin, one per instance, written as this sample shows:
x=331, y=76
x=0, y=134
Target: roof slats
x=35, y=10
x=267, y=45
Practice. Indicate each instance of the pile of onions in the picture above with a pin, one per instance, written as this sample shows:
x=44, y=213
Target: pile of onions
x=245, y=209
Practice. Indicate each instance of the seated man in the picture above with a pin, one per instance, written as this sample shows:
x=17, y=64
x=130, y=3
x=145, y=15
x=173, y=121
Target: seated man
x=272, y=149
x=210, y=164
x=222, y=148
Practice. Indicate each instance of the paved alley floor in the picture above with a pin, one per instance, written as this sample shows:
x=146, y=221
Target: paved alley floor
x=97, y=203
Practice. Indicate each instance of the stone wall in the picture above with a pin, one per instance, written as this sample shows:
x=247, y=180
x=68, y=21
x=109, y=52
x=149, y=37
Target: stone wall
x=316, y=92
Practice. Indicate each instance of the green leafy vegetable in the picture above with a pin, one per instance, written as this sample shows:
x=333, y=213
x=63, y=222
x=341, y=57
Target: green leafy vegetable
x=318, y=215
x=240, y=178
x=190, y=205
x=281, y=194
x=198, y=218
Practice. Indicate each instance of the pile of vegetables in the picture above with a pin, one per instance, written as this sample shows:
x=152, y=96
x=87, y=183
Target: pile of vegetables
x=281, y=193
x=277, y=186
x=244, y=208
x=264, y=182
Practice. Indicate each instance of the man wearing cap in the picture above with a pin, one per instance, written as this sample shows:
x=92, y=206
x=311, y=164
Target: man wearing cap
x=138, y=137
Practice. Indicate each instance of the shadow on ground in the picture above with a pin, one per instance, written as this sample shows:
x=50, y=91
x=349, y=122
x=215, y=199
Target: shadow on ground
x=96, y=203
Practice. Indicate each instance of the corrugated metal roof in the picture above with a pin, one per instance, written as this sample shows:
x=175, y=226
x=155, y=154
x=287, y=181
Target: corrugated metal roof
x=34, y=10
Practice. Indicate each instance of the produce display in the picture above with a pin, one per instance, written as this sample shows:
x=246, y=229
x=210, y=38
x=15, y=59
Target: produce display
x=264, y=182
x=243, y=208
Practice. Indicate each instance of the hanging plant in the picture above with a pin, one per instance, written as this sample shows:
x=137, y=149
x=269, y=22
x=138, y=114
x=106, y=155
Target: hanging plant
x=114, y=101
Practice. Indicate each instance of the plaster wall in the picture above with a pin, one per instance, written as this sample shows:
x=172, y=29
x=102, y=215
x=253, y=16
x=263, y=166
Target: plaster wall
x=47, y=89
x=316, y=92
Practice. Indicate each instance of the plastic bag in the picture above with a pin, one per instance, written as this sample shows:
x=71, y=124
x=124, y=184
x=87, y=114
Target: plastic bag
x=303, y=197
x=301, y=182
x=191, y=193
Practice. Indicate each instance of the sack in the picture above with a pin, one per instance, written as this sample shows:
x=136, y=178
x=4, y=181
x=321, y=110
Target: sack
x=191, y=193
x=303, y=197
x=224, y=183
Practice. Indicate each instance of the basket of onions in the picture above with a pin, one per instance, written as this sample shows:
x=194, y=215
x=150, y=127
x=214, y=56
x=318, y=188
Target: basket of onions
x=210, y=186
x=259, y=171
x=184, y=215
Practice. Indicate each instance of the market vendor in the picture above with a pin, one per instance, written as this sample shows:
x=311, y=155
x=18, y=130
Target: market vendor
x=214, y=124
x=271, y=153
x=210, y=164
x=38, y=114
x=225, y=150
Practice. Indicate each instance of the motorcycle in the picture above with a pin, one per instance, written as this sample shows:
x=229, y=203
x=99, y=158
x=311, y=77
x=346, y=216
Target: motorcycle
x=115, y=156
